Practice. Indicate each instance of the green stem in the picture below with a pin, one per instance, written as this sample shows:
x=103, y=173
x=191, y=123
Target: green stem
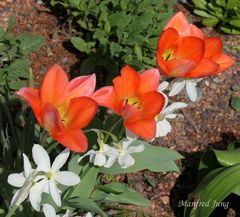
x=113, y=127
x=43, y=138
x=11, y=212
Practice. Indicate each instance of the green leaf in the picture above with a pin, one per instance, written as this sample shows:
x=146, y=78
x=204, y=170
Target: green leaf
x=87, y=183
x=113, y=187
x=138, y=52
x=235, y=23
x=117, y=192
x=19, y=68
x=156, y=159
x=221, y=3
x=74, y=166
x=201, y=4
x=228, y=157
x=86, y=204
x=82, y=45
x=219, y=185
x=211, y=21
x=75, y=3
x=29, y=43
x=235, y=103
x=128, y=197
x=202, y=13
x=230, y=30
x=231, y=4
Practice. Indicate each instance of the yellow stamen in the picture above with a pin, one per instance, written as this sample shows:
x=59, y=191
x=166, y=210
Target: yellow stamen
x=168, y=55
x=133, y=101
x=50, y=175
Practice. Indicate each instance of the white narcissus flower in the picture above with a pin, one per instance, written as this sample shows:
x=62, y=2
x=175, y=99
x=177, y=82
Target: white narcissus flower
x=163, y=125
x=52, y=176
x=23, y=181
x=190, y=88
x=125, y=150
x=49, y=211
x=105, y=156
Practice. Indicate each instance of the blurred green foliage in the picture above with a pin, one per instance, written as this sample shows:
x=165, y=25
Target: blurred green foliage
x=225, y=14
x=123, y=31
x=14, y=49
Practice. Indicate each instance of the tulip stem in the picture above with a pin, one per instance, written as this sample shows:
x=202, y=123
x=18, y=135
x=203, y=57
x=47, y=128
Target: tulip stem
x=11, y=212
x=43, y=138
x=113, y=127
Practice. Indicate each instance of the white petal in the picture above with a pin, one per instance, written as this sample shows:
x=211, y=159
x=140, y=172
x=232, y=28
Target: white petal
x=85, y=155
x=14, y=198
x=130, y=135
x=165, y=102
x=26, y=165
x=99, y=159
x=174, y=106
x=110, y=151
x=88, y=215
x=67, y=178
x=41, y=158
x=136, y=148
x=126, y=160
x=191, y=91
x=170, y=116
x=60, y=160
x=49, y=211
x=67, y=214
x=125, y=143
x=36, y=193
x=177, y=87
x=163, y=86
x=16, y=179
x=163, y=128
x=110, y=161
x=55, y=193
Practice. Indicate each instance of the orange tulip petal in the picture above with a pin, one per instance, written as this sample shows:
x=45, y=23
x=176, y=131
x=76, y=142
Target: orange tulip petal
x=196, y=32
x=53, y=86
x=205, y=68
x=190, y=48
x=31, y=95
x=149, y=80
x=127, y=84
x=224, y=61
x=143, y=128
x=81, y=86
x=80, y=112
x=130, y=113
x=74, y=140
x=51, y=120
x=179, y=22
x=178, y=68
x=105, y=96
x=213, y=46
x=168, y=39
x=152, y=104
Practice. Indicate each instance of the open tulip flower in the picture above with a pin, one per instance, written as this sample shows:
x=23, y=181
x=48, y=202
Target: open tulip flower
x=63, y=108
x=183, y=51
x=135, y=98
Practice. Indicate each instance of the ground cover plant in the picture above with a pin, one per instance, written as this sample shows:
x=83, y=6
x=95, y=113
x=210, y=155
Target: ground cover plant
x=115, y=33
x=223, y=14
x=64, y=154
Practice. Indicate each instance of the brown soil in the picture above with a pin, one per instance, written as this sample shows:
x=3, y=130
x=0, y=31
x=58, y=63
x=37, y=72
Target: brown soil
x=209, y=123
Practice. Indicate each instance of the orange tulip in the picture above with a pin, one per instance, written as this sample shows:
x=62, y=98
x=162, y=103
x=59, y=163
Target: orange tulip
x=135, y=98
x=63, y=108
x=183, y=51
